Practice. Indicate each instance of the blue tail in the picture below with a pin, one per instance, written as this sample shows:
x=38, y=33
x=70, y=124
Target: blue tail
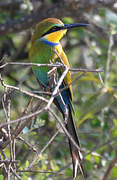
x=60, y=101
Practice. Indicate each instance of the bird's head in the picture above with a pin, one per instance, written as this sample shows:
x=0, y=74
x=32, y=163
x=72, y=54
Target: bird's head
x=53, y=29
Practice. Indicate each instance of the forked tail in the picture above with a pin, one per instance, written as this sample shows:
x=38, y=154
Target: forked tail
x=75, y=152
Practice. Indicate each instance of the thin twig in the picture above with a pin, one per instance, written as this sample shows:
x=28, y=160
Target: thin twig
x=62, y=89
x=27, y=143
x=23, y=113
x=92, y=150
x=59, y=171
x=9, y=161
x=44, y=148
x=16, y=133
x=86, y=70
x=56, y=88
x=9, y=130
x=4, y=98
x=9, y=135
x=23, y=118
x=64, y=129
x=58, y=65
x=108, y=58
x=100, y=145
x=36, y=171
x=22, y=91
x=67, y=68
x=100, y=78
x=45, y=109
x=111, y=166
x=31, y=64
x=15, y=174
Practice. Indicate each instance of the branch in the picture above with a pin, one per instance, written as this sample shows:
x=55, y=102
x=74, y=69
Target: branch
x=60, y=9
x=22, y=91
x=111, y=166
x=57, y=65
x=27, y=21
x=101, y=145
x=44, y=148
x=6, y=4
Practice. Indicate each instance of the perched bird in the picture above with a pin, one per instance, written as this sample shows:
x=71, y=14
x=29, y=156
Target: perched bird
x=45, y=49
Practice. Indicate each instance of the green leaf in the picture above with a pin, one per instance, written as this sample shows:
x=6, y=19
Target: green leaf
x=89, y=76
x=115, y=122
x=1, y=177
x=27, y=163
x=114, y=172
x=95, y=104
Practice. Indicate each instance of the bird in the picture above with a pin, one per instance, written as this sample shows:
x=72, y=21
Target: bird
x=47, y=49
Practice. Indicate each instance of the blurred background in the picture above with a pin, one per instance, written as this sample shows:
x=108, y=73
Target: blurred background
x=95, y=93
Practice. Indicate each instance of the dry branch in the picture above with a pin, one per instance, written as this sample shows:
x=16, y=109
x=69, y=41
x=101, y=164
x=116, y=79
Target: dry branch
x=111, y=166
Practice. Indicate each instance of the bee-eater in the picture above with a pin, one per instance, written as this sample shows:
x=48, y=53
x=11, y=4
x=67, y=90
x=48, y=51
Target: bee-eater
x=45, y=46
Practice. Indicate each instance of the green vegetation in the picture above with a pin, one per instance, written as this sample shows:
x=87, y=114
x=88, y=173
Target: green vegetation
x=95, y=100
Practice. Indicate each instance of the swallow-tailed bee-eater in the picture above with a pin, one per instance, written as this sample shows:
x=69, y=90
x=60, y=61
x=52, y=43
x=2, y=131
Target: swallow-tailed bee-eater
x=46, y=49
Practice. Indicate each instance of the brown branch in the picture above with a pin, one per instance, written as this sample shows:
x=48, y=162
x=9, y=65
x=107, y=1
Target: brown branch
x=23, y=113
x=9, y=161
x=36, y=171
x=27, y=143
x=46, y=108
x=58, y=65
x=60, y=171
x=28, y=21
x=28, y=119
x=22, y=91
x=101, y=145
x=23, y=118
x=93, y=149
x=111, y=166
x=6, y=4
x=44, y=148
x=60, y=9
x=15, y=174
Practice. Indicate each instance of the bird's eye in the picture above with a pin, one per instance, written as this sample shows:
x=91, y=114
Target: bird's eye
x=53, y=29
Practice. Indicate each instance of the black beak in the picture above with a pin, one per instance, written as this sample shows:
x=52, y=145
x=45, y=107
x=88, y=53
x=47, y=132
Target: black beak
x=70, y=26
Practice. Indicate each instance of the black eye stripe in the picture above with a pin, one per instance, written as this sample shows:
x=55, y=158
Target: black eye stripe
x=53, y=29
